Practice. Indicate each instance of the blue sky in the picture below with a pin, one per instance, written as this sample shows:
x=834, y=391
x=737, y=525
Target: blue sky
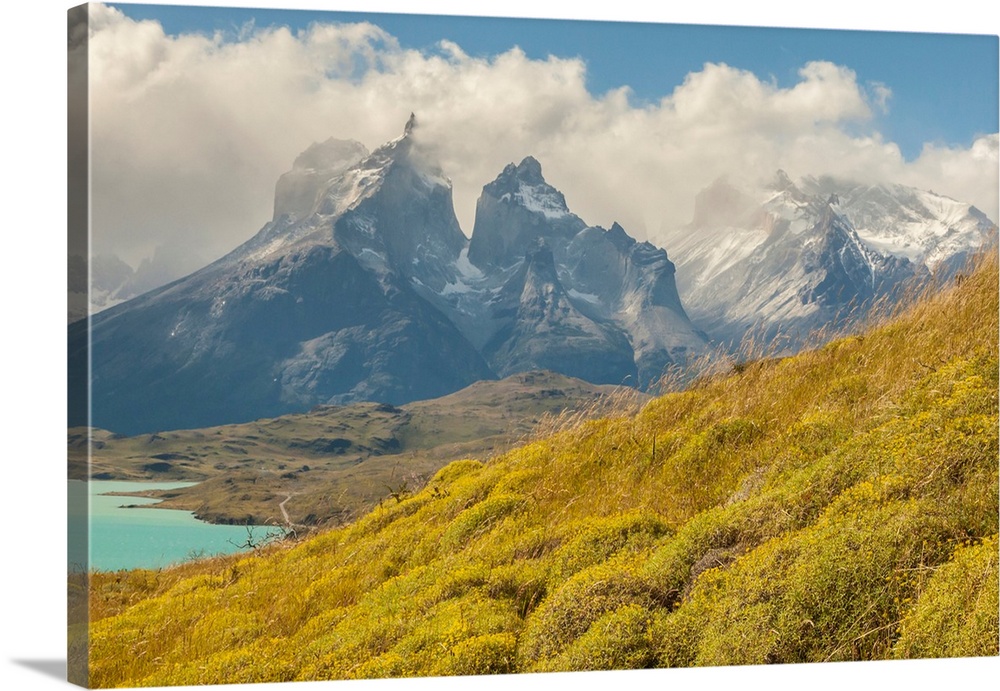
x=944, y=86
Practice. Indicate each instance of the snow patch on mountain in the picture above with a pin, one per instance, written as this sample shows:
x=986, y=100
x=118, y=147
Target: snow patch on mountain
x=296, y=191
x=731, y=247
x=542, y=199
x=586, y=297
x=467, y=269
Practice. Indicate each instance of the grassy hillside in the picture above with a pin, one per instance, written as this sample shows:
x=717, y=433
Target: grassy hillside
x=838, y=505
x=335, y=462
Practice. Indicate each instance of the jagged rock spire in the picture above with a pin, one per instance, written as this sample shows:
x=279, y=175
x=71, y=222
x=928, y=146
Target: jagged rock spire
x=410, y=124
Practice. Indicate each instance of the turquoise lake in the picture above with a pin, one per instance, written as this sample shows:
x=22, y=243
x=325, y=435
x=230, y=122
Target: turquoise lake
x=130, y=538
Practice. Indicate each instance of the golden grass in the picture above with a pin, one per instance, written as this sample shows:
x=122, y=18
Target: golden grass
x=837, y=505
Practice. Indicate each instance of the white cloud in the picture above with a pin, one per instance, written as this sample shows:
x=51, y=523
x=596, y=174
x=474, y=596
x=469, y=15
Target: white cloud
x=966, y=174
x=880, y=95
x=190, y=133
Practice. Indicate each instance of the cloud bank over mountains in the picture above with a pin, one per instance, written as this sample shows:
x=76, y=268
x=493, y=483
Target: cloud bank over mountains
x=189, y=133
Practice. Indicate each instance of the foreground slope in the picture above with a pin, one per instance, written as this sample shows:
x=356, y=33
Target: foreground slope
x=837, y=505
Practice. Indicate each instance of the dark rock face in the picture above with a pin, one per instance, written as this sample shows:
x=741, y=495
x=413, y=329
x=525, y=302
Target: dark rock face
x=580, y=300
x=410, y=221
x=363, y=288
x=546, y=331
x=516, y=209
x=849, y=275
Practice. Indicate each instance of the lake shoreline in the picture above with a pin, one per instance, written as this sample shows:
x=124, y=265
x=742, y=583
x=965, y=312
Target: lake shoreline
x=119, y=538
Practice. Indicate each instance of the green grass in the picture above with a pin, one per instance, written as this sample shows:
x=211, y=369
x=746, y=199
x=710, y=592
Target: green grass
x=841, y=504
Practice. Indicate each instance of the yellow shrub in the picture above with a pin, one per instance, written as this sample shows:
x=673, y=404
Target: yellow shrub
x=572, y=608
x=492, y=653
x=618, y=640
x=956, y=615
x=479, y=519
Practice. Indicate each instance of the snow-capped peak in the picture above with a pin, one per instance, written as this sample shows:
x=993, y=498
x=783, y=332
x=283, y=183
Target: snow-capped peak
x=791, y=255
x=540, y=200
x=524, y=185
x=405, y=152
x=919, y=225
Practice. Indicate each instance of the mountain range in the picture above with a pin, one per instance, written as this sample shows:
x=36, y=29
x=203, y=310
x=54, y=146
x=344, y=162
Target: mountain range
x=363, y=287
x=782, y=260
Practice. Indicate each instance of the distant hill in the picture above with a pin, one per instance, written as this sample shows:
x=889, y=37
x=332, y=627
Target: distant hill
x=337, y=461
x=840, y=504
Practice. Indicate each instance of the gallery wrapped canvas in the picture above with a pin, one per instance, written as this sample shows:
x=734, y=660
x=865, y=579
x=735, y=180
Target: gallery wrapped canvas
x=427, y=346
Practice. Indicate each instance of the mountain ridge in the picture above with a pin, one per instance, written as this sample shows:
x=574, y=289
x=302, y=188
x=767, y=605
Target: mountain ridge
x=376, y=294
x=790, y=258
x=364, y=287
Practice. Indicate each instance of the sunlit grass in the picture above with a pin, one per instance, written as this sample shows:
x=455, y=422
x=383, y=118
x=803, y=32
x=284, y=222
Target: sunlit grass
x=837, y=505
